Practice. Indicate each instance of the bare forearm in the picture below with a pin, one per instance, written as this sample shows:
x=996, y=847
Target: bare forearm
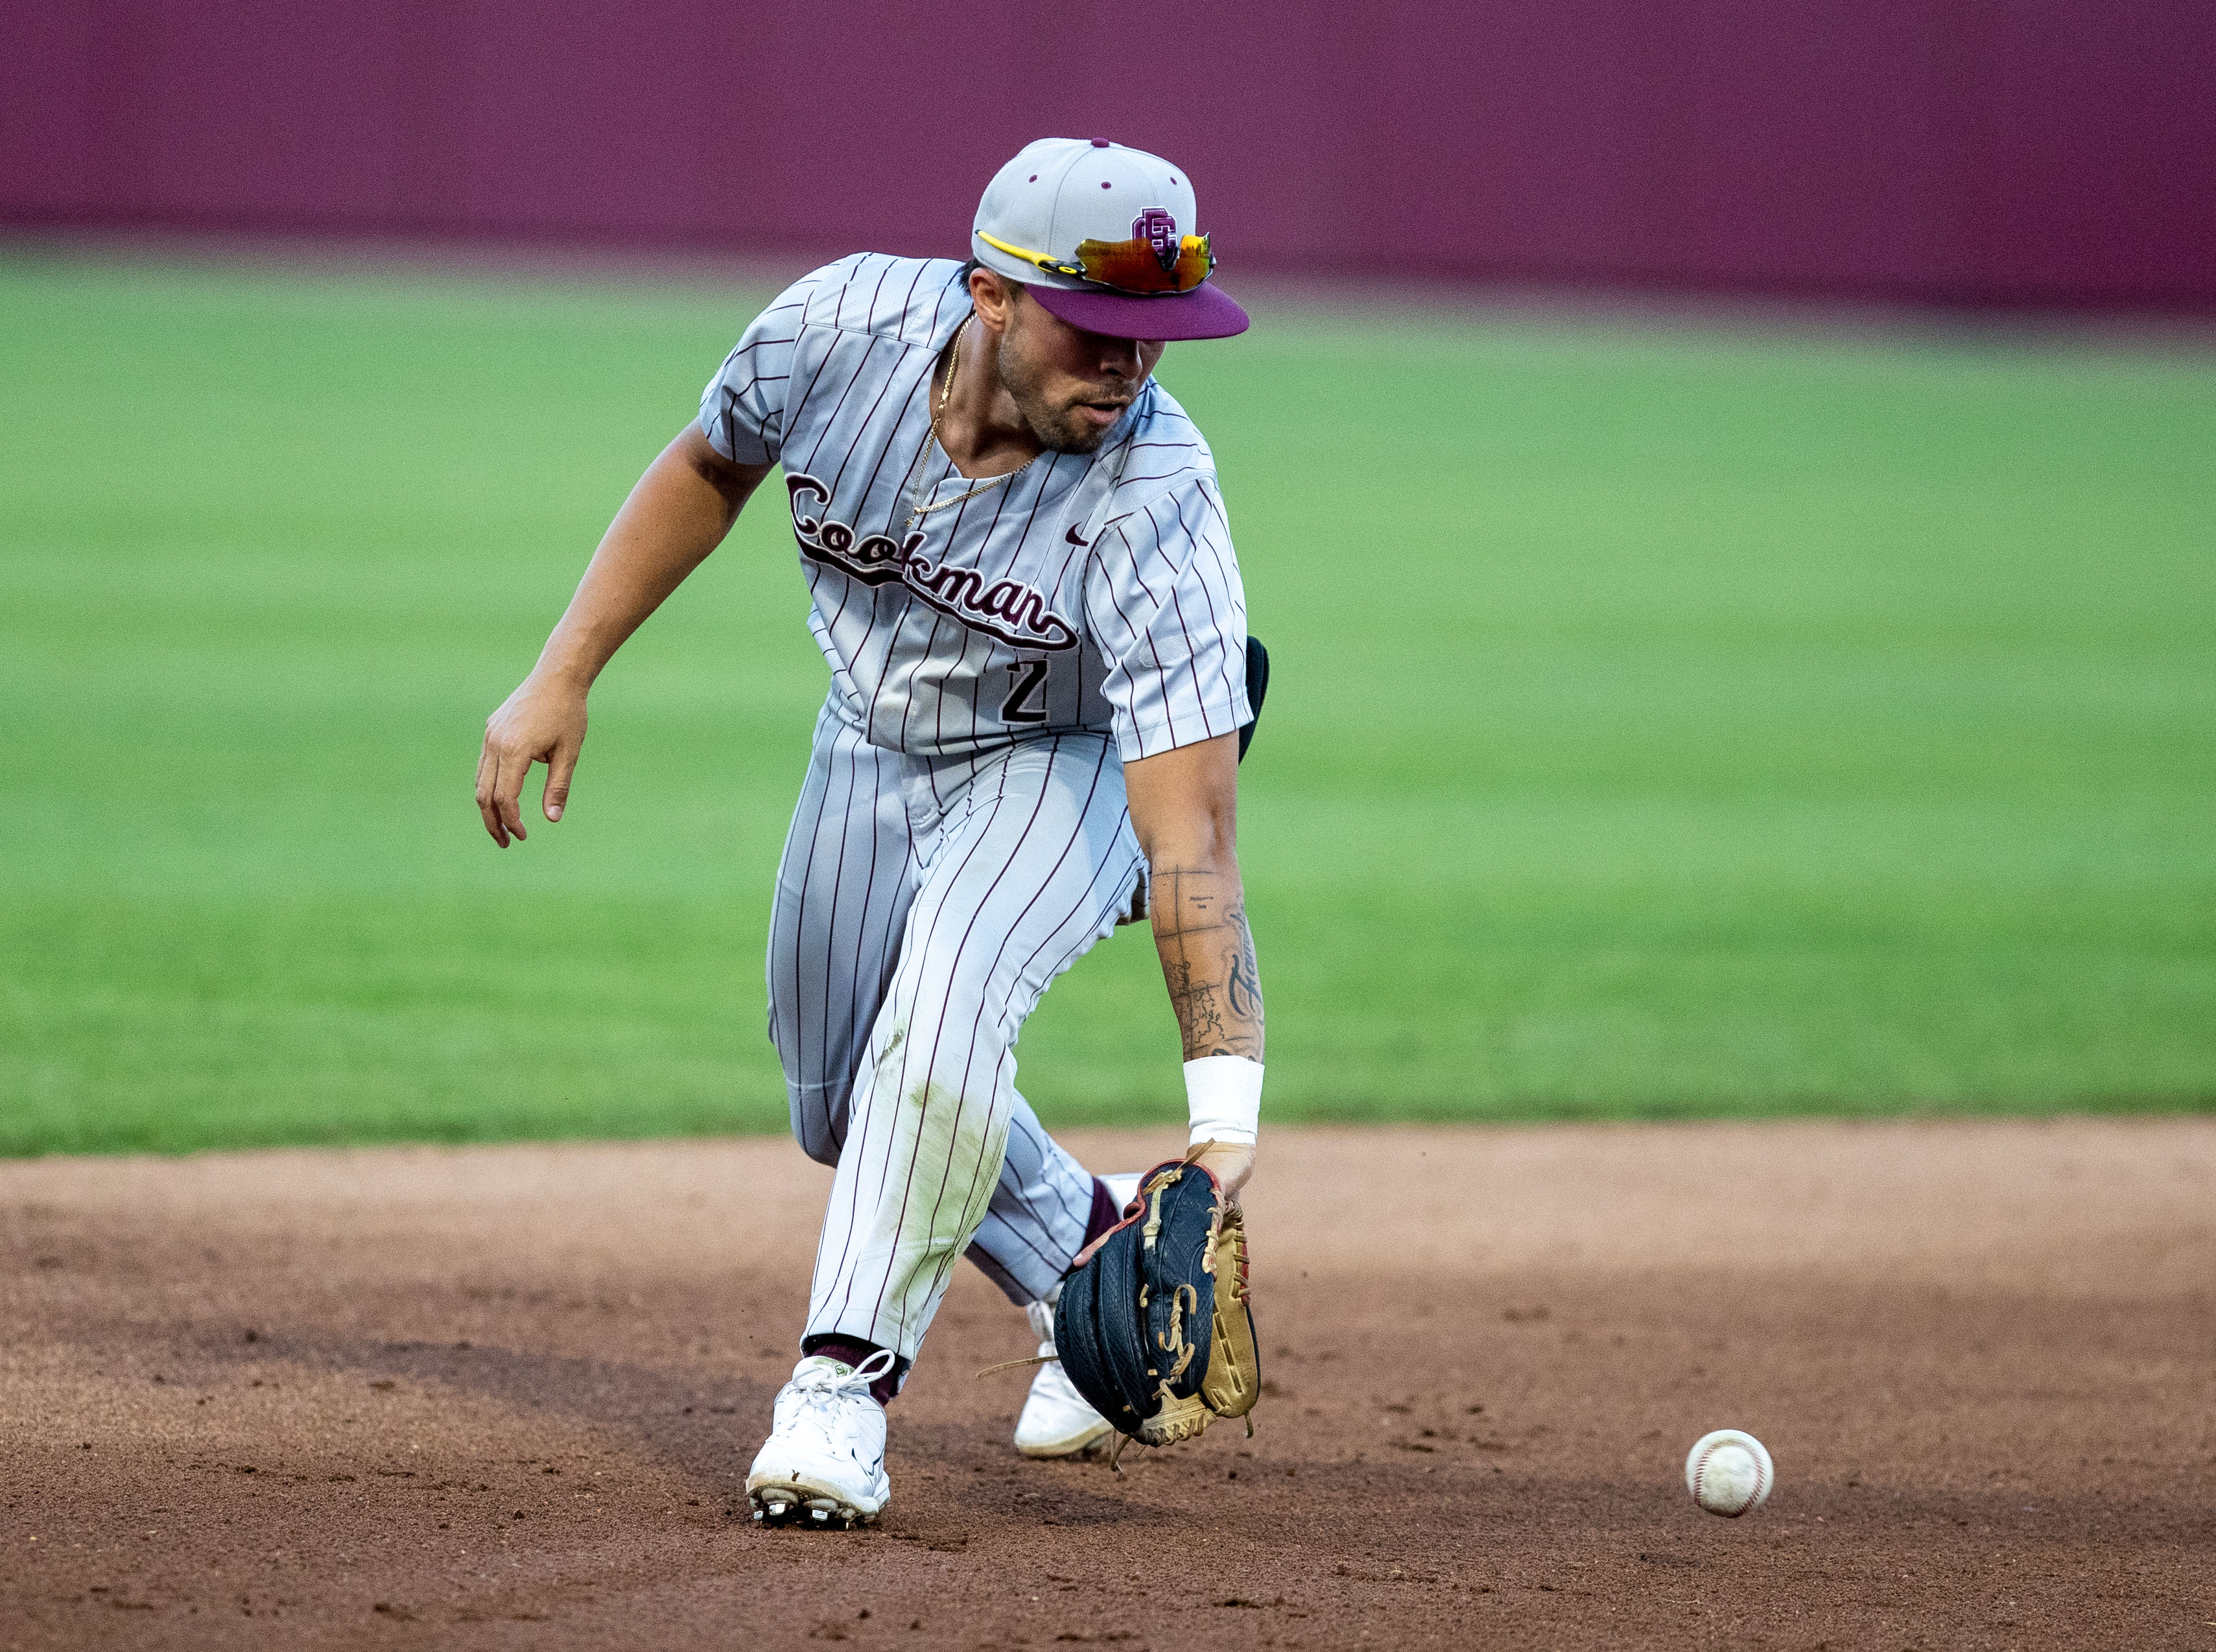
x=1208, y=958
x=678, y=512
x=1184, y=808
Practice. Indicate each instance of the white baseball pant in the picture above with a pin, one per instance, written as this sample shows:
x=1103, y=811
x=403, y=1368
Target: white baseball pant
x=923, y=906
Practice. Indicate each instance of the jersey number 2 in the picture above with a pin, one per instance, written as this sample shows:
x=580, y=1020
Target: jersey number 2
x=1026, y=700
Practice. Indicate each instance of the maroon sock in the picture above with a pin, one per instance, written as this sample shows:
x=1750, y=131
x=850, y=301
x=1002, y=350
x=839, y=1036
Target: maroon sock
x=852, y=1351
x=1107, y=1213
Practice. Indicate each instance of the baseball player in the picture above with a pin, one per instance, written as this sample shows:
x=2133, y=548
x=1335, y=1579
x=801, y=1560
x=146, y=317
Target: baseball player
x=1023, y=582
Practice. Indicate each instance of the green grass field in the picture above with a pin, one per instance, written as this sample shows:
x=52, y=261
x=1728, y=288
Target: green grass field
x=1664, y=722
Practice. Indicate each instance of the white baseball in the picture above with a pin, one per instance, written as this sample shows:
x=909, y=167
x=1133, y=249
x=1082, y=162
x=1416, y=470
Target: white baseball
x=1729, y=1472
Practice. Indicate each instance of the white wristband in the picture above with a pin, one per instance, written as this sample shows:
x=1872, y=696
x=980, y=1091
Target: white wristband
x=1224, y=1096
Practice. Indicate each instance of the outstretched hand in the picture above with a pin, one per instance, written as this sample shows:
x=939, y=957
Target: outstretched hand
x=542, y=722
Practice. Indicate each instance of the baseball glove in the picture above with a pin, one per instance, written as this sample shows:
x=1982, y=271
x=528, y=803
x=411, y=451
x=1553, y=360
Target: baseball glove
x=1154, y=1325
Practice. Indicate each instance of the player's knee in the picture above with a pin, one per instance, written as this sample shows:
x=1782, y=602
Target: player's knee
x=954, y=1023
x=815, y=1126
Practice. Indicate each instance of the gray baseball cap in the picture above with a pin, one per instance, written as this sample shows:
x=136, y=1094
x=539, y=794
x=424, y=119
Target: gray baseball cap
x=1105, y=238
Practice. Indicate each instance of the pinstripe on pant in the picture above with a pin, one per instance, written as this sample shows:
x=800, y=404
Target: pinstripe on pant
x=923, y=906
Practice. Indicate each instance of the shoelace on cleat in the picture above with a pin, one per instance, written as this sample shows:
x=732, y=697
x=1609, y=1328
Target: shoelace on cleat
x=819, y=1386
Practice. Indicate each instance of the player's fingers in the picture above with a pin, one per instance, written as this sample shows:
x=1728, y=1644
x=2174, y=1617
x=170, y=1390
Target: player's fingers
x=561, y=764
x=488, y=772
x=508, y=791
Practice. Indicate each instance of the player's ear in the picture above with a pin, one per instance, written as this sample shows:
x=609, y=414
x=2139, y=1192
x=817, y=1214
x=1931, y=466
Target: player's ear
x=994, y=296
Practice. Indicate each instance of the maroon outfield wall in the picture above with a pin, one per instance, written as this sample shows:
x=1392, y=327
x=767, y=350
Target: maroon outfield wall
x=1993, y=152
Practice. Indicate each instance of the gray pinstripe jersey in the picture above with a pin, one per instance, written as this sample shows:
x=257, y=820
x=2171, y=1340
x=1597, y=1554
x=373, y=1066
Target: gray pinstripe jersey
x=1094, y=592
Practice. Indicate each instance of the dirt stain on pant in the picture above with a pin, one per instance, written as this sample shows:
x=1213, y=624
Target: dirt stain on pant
x=942, y=1163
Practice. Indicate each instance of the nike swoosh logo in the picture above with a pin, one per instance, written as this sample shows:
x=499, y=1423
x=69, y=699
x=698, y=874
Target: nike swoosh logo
x=1074, y=537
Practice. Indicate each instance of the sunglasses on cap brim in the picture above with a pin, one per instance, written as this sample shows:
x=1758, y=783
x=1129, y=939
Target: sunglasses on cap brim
x=1132, y=265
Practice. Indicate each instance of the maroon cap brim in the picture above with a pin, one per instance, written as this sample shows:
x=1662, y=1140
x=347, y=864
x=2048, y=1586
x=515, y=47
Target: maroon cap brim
x=1207, y=312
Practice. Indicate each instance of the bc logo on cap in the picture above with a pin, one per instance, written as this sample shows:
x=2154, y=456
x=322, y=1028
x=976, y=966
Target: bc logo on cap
x=1158, y=231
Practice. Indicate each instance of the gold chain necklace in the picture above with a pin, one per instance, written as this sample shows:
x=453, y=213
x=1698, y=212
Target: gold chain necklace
x=945, y=392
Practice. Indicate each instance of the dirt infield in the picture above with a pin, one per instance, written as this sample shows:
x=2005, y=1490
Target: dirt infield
x=503, y=1397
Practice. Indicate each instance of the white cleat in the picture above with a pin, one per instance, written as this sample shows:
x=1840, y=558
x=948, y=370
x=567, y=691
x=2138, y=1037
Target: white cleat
x=824, y=1464
x=1058, y=1420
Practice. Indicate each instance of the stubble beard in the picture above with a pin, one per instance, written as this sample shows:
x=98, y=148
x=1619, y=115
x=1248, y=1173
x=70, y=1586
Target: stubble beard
x=1057, y=429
